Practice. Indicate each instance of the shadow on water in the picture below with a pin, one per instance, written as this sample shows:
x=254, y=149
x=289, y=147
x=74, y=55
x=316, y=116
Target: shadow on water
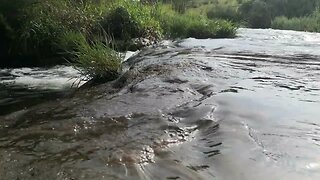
x=19, y=98
x=182, y=112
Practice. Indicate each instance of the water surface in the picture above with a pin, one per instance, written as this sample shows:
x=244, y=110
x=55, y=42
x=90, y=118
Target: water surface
x=244, y=108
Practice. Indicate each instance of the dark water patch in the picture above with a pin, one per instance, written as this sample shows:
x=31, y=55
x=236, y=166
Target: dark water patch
x=199, y=168
x=240, y=88
x=307, y=100
x=22, y=98
x=254, y=58
x=229, y=90
x=214, y=145
x=175, y=80
x=264, y=78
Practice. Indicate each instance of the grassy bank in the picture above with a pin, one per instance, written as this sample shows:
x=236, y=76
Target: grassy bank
x=89, y=32
x=280, y=14
x=308, y=23
x=193, y=24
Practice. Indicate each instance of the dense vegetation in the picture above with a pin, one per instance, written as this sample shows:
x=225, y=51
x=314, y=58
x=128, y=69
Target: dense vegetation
x=306, y=23
x=279, y=14
x=88, y=33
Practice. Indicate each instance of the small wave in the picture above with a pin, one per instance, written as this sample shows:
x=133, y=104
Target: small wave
x=58, y=77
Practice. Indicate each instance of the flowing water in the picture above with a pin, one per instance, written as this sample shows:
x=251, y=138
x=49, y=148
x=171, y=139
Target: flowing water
x=245, y=108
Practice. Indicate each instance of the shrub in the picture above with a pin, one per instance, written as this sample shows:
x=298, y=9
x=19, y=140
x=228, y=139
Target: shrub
x=256, y=13
x=121, y=24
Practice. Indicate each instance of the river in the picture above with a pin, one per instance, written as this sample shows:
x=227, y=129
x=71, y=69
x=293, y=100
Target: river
x=245, y=108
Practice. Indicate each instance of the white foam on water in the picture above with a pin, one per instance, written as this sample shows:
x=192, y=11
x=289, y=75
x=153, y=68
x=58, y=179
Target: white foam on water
x=55, y=78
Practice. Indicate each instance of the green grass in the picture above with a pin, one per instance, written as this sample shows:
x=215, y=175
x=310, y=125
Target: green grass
x=191, y=24
x=126, y=20
x=46, y=21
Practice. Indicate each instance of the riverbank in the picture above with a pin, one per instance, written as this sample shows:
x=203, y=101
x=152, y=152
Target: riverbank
x=88, y=33
x=299, y=15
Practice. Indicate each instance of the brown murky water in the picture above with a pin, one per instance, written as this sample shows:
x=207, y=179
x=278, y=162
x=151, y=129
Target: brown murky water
x=245, y=108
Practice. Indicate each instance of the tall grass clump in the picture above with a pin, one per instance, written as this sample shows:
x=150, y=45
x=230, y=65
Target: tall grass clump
x=95, y=60
x=126, y=20
x=46, y=20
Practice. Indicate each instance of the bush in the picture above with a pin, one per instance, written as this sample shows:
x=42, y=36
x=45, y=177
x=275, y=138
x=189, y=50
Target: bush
x=121, y=25
x=130, y=19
